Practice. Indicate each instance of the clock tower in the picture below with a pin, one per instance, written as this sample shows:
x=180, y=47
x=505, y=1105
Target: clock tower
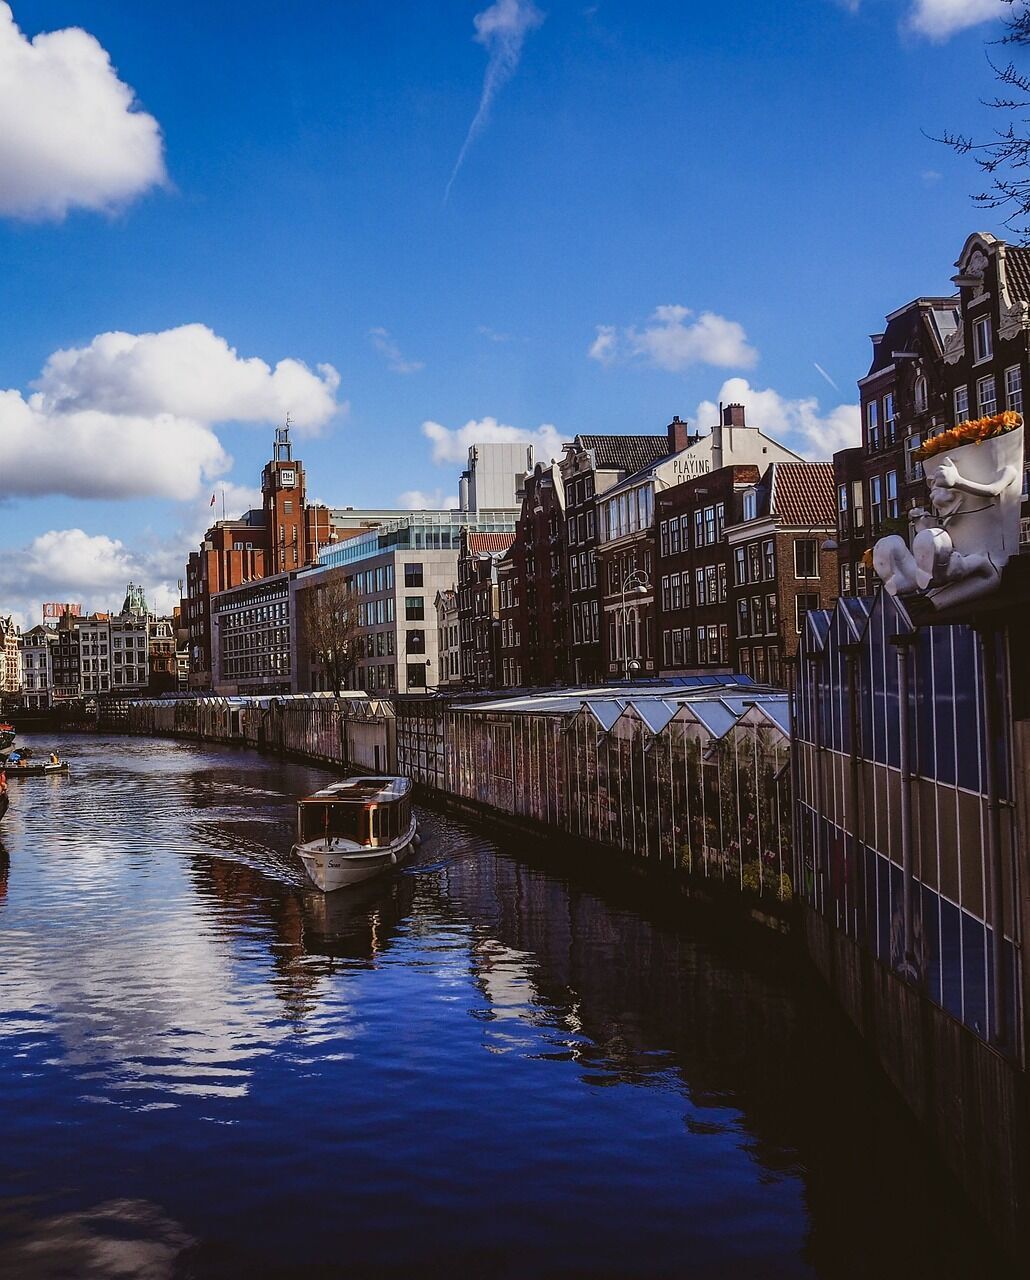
x=282, y=488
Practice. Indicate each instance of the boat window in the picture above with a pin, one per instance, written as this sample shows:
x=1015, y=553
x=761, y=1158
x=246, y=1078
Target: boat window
x=345, y=821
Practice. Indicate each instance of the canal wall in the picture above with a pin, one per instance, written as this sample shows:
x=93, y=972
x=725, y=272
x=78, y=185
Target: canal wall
x=354, y=732
x=911, y=870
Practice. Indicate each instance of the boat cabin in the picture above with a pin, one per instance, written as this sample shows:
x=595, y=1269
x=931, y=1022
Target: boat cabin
x=373, y=812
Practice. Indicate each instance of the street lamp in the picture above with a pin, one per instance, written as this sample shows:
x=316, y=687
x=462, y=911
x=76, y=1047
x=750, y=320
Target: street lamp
x=639, y=584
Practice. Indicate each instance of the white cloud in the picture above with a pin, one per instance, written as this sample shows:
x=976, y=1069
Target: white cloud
x=71, y=134
x=669, y=342
x=391, y=353
x=420, y=500
x=501, y=29
x=604, y=346
x=453, y=445
x=799, y=424
x=66, y=564
x=939, y=19
x=131, y=415
x=189, y=372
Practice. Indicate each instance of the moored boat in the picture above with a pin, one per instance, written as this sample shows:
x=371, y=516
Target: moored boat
x=8, y=733
x=33, y=768
x=353, y=830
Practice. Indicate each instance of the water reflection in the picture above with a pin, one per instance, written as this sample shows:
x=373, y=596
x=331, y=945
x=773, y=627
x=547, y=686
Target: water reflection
x=476, y=1067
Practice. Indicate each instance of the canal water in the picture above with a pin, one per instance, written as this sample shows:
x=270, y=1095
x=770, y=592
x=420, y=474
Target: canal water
x=486, y=1066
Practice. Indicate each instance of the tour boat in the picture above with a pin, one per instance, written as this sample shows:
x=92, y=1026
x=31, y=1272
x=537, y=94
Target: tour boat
x=353, y=830
x=7, y=735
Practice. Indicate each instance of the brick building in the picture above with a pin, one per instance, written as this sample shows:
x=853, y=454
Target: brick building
x=626, y=529
x=509, y=616
x=478, y=606
x=693, y=569
x=591, y=465
x=540, y=559
x=903, y=401
x=448, y=641
x=781, y=569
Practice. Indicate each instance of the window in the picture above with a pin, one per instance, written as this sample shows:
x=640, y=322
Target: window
x=760, y=666
x=709, y=525
x=774, y=665
x=742, y=617
x=770, y=614
x=676, y=590
x=663, y=530
x=913, y=467
x=416, y=675
x=1014, y=389
x=288, y=507
x=666, y=594
x=722, y=584
x=982, y=349
x=892, y=495
x=858, y=505
x=986, y=397
x=416, y=642
x=739, y=566
x=872, y=424
x=414, y=608
x=754, y=562
x=711, y=584
x=412, y=575
x=961, y=405
x=699, y=588
x=702, y=646
x=769, y=559
x=750, y=504
x=667, y=648
x=674, y=537
x=677, y=647
x=920, y=394
x=876, y=502
x=889, y=418
x=757, y=615
x=845, y=579
x=804, y=604
x=720, y=519
x=699, y=525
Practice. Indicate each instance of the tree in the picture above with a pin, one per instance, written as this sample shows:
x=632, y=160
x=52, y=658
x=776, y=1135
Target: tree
x=329, y=616
x=1005, y=158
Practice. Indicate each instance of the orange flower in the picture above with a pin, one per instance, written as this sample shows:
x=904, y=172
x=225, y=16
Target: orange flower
x=974, y=432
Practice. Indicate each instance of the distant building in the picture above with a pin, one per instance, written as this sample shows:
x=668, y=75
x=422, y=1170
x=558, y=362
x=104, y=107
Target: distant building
x=10, y=658
x=478, y=606
x=251, y=637
x=626, y=530
x=693, y=567
x=37, y=649
x=164, y=677
x=781, y=571
x=448, y=642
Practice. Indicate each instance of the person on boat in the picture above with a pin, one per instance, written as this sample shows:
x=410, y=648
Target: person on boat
x=14, y=758
x=54, y=758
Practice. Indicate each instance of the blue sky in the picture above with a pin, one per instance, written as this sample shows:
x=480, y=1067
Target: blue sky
x=694, y=194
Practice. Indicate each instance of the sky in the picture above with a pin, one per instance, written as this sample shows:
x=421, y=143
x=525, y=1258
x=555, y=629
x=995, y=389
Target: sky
x=419, y=224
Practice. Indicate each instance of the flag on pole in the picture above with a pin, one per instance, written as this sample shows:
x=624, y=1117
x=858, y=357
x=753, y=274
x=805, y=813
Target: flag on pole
x=212, y=502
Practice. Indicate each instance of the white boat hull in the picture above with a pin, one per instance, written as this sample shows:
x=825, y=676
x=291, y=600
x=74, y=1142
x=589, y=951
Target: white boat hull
x=344, y=863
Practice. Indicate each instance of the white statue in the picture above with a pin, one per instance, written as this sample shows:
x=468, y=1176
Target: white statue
x=960, y=547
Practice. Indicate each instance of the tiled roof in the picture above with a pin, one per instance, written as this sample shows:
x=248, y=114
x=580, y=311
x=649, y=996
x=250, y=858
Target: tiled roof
x=489, y=543
x=1017, y=273
x=803, y=493
x=625, y=453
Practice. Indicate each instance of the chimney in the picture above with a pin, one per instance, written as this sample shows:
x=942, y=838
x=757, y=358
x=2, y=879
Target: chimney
x=733, y=416
x=679, y=435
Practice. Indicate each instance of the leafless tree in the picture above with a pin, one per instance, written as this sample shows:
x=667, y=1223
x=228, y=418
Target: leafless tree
x=329, y=615
x=1005, y=157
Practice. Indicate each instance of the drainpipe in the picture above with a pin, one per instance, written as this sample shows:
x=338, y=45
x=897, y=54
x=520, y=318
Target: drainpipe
x=999, y=1012
x=908, y=968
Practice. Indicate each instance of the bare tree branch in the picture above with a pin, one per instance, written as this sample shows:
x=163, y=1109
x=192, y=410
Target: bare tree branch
x=329, y=615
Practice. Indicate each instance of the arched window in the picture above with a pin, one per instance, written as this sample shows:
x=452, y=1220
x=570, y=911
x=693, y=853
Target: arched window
x=921, y=394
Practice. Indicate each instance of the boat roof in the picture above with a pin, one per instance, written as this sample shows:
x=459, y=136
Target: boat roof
x=362, y=790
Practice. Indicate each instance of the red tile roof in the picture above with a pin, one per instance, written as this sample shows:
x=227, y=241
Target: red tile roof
x=489, y=543
x=803, y=493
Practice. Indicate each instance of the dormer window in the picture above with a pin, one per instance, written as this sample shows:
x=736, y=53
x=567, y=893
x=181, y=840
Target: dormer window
x=750, y=504
x=982, y=349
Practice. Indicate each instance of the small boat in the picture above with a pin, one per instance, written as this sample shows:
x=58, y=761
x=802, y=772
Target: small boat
x=8, y=733
x=353, y=830
x=33, y=768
